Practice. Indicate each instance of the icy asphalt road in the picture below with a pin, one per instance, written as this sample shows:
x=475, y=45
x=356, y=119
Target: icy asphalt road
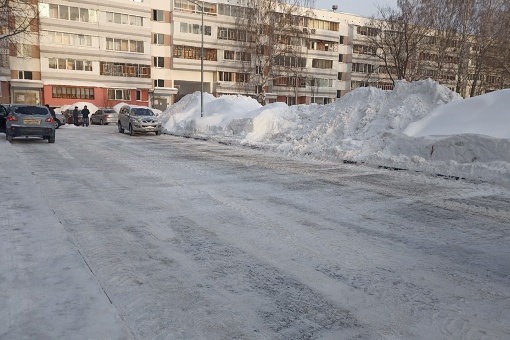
x=197, y=240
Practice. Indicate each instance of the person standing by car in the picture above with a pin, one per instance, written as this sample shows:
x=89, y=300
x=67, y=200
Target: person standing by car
x=85, y=115
x=75, y=115
x=52, y=112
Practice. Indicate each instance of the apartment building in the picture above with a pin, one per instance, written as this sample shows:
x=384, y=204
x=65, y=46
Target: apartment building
x=95, y=52
x=83, y=51
x=150, y=53
x=327, y=54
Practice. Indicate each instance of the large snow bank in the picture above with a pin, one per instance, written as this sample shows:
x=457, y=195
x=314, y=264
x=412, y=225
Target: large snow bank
x=421, y=126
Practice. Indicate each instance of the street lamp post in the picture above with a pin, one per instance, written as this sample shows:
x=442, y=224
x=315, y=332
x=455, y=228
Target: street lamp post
x=201, y=60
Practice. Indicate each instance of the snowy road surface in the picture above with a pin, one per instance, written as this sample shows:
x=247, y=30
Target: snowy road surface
x=190, y=239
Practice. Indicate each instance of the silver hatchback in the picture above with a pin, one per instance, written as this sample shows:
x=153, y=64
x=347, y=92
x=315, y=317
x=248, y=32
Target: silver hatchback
x=104, y=116
x=29, y=120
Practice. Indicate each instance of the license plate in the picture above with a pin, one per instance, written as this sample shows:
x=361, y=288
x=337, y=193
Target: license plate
x=32, y=121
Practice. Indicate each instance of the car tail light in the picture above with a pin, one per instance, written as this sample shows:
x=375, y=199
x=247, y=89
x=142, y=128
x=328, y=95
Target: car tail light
x=12, y=118
x=50, y=120
x=107, y=116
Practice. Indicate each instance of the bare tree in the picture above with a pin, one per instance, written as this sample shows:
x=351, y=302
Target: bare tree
x=16, y=18
x=273, y=36
x=501, y=54
x=487, y=32
x=398, y=36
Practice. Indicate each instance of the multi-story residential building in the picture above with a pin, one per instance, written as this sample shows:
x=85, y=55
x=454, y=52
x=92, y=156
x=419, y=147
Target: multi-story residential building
x=150, y=53
x=95, y=52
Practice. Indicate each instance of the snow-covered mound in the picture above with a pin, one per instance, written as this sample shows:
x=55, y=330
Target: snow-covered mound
x=422, y=126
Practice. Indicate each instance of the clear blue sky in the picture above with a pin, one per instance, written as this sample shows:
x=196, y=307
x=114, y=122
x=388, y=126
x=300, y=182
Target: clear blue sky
x=364, y=8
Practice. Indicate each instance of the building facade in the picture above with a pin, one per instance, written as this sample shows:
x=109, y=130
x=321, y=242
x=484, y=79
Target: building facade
x=149, y=53
x=153, y=53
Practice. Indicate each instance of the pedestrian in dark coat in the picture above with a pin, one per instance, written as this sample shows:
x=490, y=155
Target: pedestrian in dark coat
x=85, y=115
x=52, y=112
x=75, y=115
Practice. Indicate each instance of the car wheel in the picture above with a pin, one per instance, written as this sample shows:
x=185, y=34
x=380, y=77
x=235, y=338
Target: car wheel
x=57, y=123
x=51, y=139
x=101, y=122
x=9, y=138
x=119, y=125
x=131, y=132
x=158, y=133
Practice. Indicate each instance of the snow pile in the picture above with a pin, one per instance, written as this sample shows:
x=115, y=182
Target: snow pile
x=92, y=108
x=222, y=116
x=421, y=126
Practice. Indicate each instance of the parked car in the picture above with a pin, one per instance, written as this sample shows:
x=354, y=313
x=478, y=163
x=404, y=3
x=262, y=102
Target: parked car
x=60, y=120
x=68, y=114
x=138, y=119
x=29, y=120
x=104, y=116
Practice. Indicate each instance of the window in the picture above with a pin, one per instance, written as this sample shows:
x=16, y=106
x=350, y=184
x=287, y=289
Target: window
x=4, y=59
x=69, y=39
x=24, y=51
x=242, y=77
x=368, y=31
x=341, y=58
x=322, y=63
x=25, y=75
x=194, y=28
x=341, y=43
x=158, y=15
x=226, y=76
x=339, y=75
x=139, y=46
x=74, y=13
x=363, y=49
x=124, y=70
x=68, y=13
x=73, y=92
x=291, y=61
x=119, y=94
x=159, y=62
x=363, y=68
x=232, y=34
x=192, y=52
x=63, y=12
x=228, y=55
x=159, y=39
x=338, y=93
x=70, y=64
x=159, y=83
x=124, y=19
x=138, y=95
x=53, y=11
x=124, y=45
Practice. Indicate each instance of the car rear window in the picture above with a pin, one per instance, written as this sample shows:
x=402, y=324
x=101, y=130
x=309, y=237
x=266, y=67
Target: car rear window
x=31, y=110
